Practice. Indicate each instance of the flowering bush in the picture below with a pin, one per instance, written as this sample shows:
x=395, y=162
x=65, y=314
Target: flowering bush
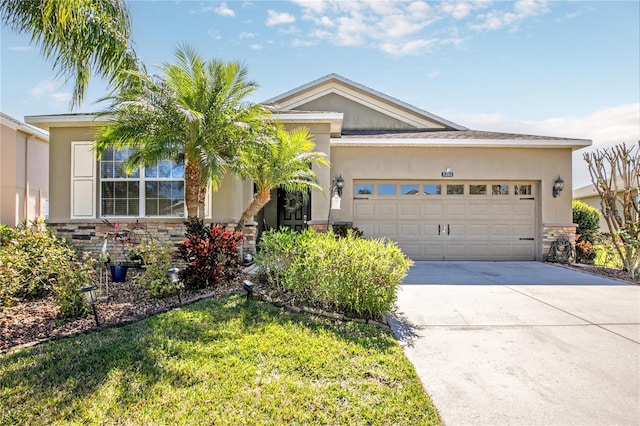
x=585, y=253
x=211, y=254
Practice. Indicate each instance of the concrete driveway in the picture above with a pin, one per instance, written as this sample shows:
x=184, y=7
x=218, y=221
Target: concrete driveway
x=522, y=343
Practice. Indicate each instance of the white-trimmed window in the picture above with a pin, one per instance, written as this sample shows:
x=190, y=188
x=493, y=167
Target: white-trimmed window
x=152, y=191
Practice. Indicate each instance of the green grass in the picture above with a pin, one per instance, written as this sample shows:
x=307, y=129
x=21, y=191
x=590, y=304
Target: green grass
x=219, y=361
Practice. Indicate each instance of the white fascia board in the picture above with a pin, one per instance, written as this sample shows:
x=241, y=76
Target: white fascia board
x=65, y=120
x=26, y=128
x=462, y=143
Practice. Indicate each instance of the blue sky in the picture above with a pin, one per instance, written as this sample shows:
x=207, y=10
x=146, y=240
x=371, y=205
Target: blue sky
x=560, y=68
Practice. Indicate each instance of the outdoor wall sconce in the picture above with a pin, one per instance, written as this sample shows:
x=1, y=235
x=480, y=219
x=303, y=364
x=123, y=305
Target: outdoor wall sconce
x=336, y=192
x=558, y=186
x=172, y=273
x=90, y=295
x=248, y=287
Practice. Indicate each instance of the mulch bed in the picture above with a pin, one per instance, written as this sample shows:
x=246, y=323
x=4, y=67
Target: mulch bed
x=29, y=322
x=617, y=274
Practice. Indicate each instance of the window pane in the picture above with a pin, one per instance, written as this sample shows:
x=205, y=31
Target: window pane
x=151, y=207
x=120, y=189
x=478, y=189
x=151, y=171
x=386, y=189
x=107, y=190
x=106, y=169
x=455, y=189
x=151, y=189
x=364, y=188
x=430, y=189
x=177, y=191
x=164, y=169
x=133, y=208
x=522, y=190
x=107, y=207
x=409, y=189
x=500, y=189
x=107, y=155
x=178, y=171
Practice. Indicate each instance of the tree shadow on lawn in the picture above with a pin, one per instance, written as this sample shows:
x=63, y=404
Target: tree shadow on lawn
x=215, y=339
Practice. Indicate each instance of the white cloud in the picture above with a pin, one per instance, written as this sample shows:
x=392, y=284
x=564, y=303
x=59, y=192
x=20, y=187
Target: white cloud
x=256, y=46
x=49, y=90
x=279, y=18
x=606, y=127
x=408, y=27
x=222, y=10
x=246, y=35
x=498, y=19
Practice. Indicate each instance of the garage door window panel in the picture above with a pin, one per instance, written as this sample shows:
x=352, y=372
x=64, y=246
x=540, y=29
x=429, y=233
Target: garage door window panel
x=432, y=189
x=387, y=189
x=455, y=189
x=501, y=189
x=477, y=189
x=364, y=189
x=409, y=189
x=522, y=190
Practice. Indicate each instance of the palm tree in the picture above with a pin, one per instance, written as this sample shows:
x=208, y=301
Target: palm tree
x=279, y=159
x=79, y=36
x=194, y=113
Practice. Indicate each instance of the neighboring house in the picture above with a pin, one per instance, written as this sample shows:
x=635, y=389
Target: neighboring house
x=589, y=195
x=24, y=171
x=439, y=190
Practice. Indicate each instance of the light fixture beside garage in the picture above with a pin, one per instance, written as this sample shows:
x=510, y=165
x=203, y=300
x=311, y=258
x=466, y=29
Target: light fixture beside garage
x=558, y=186
x=336, y=190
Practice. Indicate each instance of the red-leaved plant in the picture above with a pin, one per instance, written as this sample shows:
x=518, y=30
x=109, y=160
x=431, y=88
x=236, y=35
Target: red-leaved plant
x=211, y=254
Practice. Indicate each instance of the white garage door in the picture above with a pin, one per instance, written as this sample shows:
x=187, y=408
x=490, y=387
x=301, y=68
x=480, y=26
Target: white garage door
x=450, y=220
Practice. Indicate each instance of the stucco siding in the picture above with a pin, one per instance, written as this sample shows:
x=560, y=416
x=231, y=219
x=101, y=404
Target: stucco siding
x=356, y=116
x=60, y=167
x=541, y=165
x=24, y=178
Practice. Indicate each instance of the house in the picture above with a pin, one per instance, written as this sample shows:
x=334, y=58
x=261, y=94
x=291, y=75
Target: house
x=588, y=195
x=24, y=171
x=440, y=190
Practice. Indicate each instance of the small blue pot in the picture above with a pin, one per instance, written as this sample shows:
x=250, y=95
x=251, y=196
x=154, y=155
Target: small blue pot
x=119, y=273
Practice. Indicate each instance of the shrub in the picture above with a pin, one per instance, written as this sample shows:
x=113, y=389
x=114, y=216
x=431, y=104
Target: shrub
x=155, y=259
x=342, y=229
x=351, y=275
x=588, y=220
x=607, y=256
x=585, y=252
x=211, y=254
x=34, y=263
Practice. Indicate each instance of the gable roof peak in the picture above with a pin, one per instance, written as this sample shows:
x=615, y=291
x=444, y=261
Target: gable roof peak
x=372, y=93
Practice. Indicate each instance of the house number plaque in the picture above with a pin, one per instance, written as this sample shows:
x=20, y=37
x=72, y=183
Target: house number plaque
x=447, y=173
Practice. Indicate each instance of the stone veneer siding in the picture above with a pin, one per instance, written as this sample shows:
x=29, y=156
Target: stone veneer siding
x=551, y=232
x=88, y=235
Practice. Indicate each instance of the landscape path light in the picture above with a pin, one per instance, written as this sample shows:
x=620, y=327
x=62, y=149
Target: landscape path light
x=172, y=273
x=89, y=293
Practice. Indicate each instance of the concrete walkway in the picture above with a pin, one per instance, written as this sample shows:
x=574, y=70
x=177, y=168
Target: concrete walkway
x=522, y=343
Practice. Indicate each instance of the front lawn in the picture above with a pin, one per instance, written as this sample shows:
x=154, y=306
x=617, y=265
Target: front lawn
x=218, y=361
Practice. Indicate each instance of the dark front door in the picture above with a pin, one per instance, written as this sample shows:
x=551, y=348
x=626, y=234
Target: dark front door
x=293, y=210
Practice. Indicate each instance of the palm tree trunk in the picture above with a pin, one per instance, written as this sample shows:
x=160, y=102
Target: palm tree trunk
x=260, y=199
x=194, y=192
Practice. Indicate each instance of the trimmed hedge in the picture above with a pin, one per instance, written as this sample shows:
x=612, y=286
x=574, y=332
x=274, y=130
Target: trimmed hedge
x=351, y=275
